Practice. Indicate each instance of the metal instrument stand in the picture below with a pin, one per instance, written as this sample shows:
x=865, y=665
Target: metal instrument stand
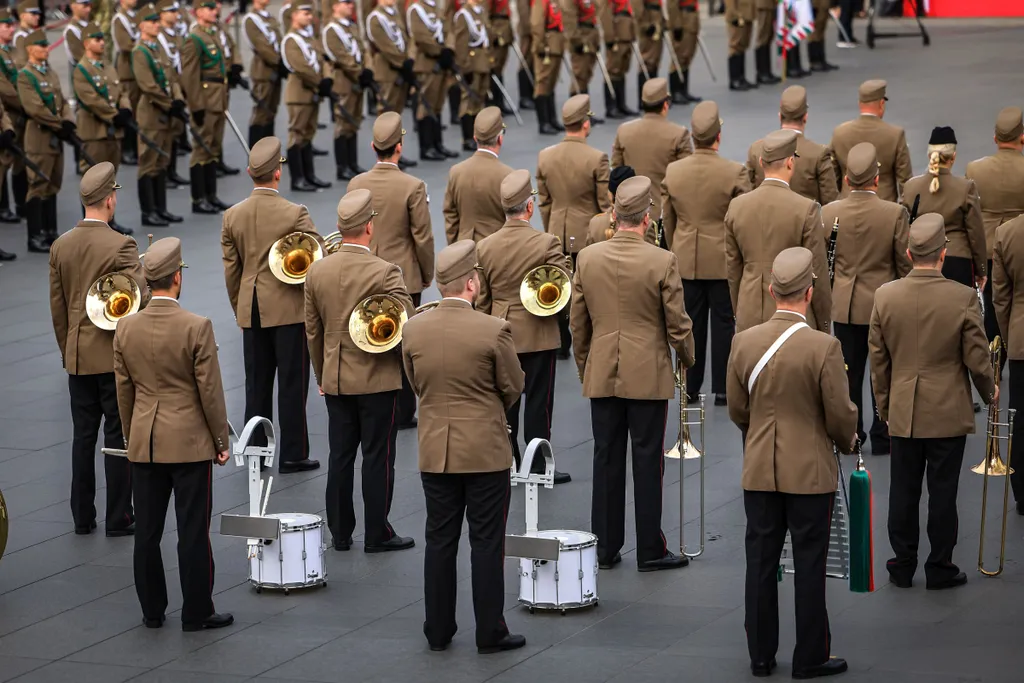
x=874, y=35
x=254, y=526
x=528, y=546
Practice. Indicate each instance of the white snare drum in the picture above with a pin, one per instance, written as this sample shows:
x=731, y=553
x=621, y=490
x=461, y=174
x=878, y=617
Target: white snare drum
x=570, y=582
x=295, y=559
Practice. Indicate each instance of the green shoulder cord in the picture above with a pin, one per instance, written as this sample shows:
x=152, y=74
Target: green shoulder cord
x=209, y=60
x=103, y=91
x=158, y=71
x=47, y=98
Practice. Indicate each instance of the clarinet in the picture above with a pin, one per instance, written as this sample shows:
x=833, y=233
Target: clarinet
x=914, y=209
x=832, y=239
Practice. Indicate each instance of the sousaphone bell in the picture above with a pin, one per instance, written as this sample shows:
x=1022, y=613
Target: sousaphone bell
x=375, y=325
x=112, y=297
x=292, y=255
x=545, y=290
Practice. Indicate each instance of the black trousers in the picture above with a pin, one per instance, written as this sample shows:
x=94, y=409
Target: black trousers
x=563, y=323
x=368, y=420
x=643, y=423
x=959, y=269
x=854, y=341
x=912, y=460
x=406, y=396
x=704, y=299
x=847, y=9
x=991, y=324
x=279, y=352
x=483, y=499
x=539, y=368
x=807, y=518
x=1017, y=403
x=94, y=398
x=192, y=485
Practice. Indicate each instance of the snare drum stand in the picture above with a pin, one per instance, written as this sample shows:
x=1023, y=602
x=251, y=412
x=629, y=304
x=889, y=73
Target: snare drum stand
x=522, y=475
x=250, y=456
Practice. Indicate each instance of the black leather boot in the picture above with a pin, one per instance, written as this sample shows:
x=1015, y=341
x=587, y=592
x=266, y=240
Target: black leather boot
x=620, y=98
x=544, y=126
x=353, y=152
x=173, y=179
x=611, y=109
x=129, y=151
x=553, y=115
x=6, y=215
x=19, y=188
x=34, y=224
x=297, y=171
x=404, y=163
x=160, y=197
x=816, y=56
x=50, y=219
x=468, y=143
x=454, y=99
x=197, y=174
x=439, y=141
x=184, y=146
x=686, y=89
x=675, y=87
x=741, y=65
x=794, y=69
x=736, y=80
x=309, y=169
x=341, y=159
x=428, y=139
x=210, y=173
x=525, y=91
x=499, y=99
x=223, y=169
x=148, y=204
x=763, y=59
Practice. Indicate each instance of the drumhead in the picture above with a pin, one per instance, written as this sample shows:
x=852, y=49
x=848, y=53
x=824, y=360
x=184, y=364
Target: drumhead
x=296, y=520
x=567, y=538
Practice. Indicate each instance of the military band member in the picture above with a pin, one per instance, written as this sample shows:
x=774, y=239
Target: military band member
x=29, y=18
x=926, y=328
x=627, y=372
x=871, y=250
x=500, y=32
x=504, y=258
x=170, y=42
x=125, y=33
x=619, y=34
x=16, y=124
x=205, y=82
x=998, y=179
x=789, y=471
x=814, y=174
x=525, y=75
x=168, y=376
x=472, y=55
x=49, y=125
x=1007, y=290
x=602, y=226
x=816, y=41
x=696, y=194
x=580, y=19
x=403, y=235
x=77, y=259
x=684, y=28
x=266, y=69
x=548, y=37
x=433, y=62
x=763, y=222
x=389, y=45
x=739, y=19
x=80, y=10
x=767, y=11
x=268, y=310
x=652, y=142
x=472, y=199
x=890, y=142
x=361, y=389
x=956, y=200
x=352, y=79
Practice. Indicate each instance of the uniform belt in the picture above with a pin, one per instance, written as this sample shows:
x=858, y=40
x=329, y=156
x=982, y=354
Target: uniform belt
x=623, y=14
x=553, y=30
x=587, y=24
x=212, y=79
x=648, y=5
x=499, y=16
x=687, y=8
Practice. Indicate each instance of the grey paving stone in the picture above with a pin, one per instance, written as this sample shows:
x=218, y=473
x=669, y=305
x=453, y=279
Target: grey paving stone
x=76, y=672
x=11, y=667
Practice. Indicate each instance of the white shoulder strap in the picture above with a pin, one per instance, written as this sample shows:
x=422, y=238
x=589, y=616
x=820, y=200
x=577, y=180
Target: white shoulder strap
x=772, y=350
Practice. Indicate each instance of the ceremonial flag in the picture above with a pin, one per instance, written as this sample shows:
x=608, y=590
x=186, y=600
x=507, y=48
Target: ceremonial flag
x=795, y=21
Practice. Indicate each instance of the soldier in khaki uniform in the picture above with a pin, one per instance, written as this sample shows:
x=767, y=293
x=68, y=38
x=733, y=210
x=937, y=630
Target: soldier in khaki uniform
x=77, y=259
x=79, y=19
x=472, y=199
x=696, y=194
x=739, y=20
x=814, y=174
x=463, y=366
x=29, y=18
x=998, y=179
x=170, y=41
x=602, y=226
x=572, y=188
x=619, y=34
x=767, y=10
x=926, y=337
x=504, y=259
x=890, y=142
x=473, y=56
x=389, y=45
x=266, y=69
x=16, y=117
x=650, y=30
x=171, y=400
x=344, y=47
x=268, y=310
x=652, y=142
x=956, y=200
x=684, y=29
x=433, y=64
x=627, y=372
x=548, y=32
x=403, y=236
x=762, y=223
x=524, y=33
x=871, y=250
x=789, y=470
x=580, y=19
x=361, y=389
x=500, y=31
x=125, y=33
x=816, y=41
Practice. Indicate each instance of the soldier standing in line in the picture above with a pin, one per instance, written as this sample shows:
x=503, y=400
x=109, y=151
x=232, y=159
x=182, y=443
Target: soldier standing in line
x=766, y=13
x=739, y=20
x=170, y=41
x=433, y=63
x=79, y=19
x=684, y=24
x=266, y=69
x=584, y=44
x=12, y=107
x=352, y=79
x=472, y=198
x=29, y=17
x=619, y=34
x=501, y=37
x=392, y=66
x=650, y=29
x=816, y=43
x=125, y=32
x=546, y=25
x=233, y=61
x=472, y=54
x=525, y=73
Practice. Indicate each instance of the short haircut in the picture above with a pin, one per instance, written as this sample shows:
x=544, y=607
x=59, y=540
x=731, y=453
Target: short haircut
x=863, y=186
x=774, y=166
x=456, y=286
x=353, y=233
x=386, y=153
x=265, y=179
x=518, y=209
x=99, y=204
x=792, y=297
x=575, y=127
x=931, y=259
x=631, y=220
x=783, y=118
x=163, y=283
x=652, y=108
x=705, y=144
x=488, y=142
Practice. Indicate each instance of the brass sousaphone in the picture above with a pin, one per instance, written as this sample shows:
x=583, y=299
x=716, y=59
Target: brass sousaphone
x=333, y=242
x=292, y=255
x=112, y=297
x=545, y=290
x=376, y=323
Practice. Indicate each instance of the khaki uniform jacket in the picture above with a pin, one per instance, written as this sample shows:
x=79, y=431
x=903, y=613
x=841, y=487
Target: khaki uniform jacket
x=814, y=170
x=871, y=249
x=250, y=229
x=346, y=68
x=958, y=203
x=618, y=28
x=472, y=199
x=335, y=285
x=204, y=71
x=427, y=48
x=1008, y=286
x=125, y=33
x=926, y=337
x=696, y=193
x=504, y=258
x=476, y=60
x=96, y=111
x=388, y=56
x=18, y=43
x=73, y=40
x=78, y=258
x=9, y=82
x=402, y=234
x=462, y=364
x=601, y=229
x=798, y=408
x=169, y=390
x=649, y=144
x=158, y=84
x=999, y=179
x=265, y=40
x=304, y=79
x=546, y=42
x=572, y=187
x=43, y=122
x=627, y=310
x=890, y=143
x=758, y=226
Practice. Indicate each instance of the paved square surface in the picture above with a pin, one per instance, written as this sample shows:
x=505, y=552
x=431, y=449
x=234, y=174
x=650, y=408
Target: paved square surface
x=68, y=610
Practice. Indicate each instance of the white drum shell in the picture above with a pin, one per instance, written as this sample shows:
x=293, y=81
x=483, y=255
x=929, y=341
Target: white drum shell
x=570, y=582
x=295, y=559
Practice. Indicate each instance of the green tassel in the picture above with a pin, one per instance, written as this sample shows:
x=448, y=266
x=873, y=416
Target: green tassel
x=862, y=578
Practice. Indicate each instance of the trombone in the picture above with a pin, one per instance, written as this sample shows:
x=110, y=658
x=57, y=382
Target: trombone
x=545, y=290
x=375, y=325
x=429, y=306
x=112, y=297
x=994, y=466
x=683, y=450
x=291, y=256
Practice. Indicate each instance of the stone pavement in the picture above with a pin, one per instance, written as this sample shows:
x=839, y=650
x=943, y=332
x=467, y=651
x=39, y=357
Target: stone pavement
x=68, y=610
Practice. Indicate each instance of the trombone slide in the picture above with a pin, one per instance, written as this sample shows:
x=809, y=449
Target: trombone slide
x=684, y=450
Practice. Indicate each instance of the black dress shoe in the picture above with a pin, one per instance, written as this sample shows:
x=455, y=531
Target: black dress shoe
x=901, y=582
x=203, y=206
x=223, y=169
x=721, y=400
x=611, y=563
x=298, y=466
x=218, y=204
x=167, y=216
x=7, y=256
x=768, y=79
x=1020, y=508
x=614, y=114
x=562, y=477
x=547, y=129
x=175, y=180
x=120, y=533
x=317, y=152
x=763, y=669
x=439, y=647
x=411, y=424
x=596, y=120
x=154, y=623
x=38, y=245
x=431, y=154
x=154, y=220
x=8, y=216
x=669, y=561
x=833, y=666
x=344, y=545
x=85, y=529
x=394, y=543
x=953, y=582
x=404, y=163
x=213, y=621
x=510, y=642
x=740, y=86
x=302, y=185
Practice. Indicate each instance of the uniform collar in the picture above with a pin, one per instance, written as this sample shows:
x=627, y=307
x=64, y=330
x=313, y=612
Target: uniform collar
x=574, y=139
x=788, y=315
x=91, y=223
x=266, y=189
x=454, y=302
x=705, y=150
x=350, y=247
x=925, y=272
x=486, y=152
x=386, y=166
x=515, y=223
x=163, y=302
x=627, y=235
x=774, y=181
